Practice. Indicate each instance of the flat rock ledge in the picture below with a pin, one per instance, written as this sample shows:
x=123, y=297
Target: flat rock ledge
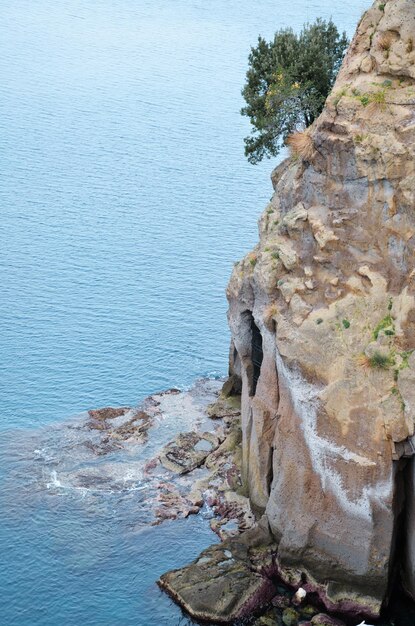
x=224, y=583
x=241, y=579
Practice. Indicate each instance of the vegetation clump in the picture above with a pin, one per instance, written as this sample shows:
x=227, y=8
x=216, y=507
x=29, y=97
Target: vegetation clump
x=365, y=99
x=382, y=361
x=386, y=324
x=377, y=360
x=301, y=145
x=405, y=358
x=377, y=100
x=287, y=83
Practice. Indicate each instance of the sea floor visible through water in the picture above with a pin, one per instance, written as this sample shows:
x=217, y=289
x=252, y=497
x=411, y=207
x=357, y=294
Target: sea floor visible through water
x=80, y=520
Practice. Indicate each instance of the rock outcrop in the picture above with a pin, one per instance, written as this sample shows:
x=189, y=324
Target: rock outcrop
x=322, y=314
x=227, y=582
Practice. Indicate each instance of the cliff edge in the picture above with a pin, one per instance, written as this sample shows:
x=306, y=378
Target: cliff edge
x=322, y=314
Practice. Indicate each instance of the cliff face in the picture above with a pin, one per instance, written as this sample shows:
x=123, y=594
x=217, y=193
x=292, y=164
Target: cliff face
x=322, y=314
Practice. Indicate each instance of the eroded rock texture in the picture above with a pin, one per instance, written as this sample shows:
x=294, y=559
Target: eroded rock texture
x=322, y=314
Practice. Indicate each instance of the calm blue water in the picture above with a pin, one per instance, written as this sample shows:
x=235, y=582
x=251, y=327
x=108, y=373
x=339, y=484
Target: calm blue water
x=125, y=199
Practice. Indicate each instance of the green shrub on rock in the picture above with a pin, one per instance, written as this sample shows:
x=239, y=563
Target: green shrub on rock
x=287, y=83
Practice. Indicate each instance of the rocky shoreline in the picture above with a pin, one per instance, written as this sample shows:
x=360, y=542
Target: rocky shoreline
x=238, y=580
x=195, y=469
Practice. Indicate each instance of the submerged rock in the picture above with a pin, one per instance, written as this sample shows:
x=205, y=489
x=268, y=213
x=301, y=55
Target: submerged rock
x=325, y=620
x=188, y=451
x=290, y=617
x=269, y=619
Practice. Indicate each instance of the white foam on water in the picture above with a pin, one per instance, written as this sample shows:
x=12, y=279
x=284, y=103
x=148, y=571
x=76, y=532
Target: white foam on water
x=304, y=397
x=133, y=481
x=54, y=482
x=207, y=512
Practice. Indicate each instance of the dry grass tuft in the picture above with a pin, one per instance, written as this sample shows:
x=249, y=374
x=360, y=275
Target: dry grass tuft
x=301, y=145
x=363, y=361
x=270, y=313
x=252, y=258
x=385, y=41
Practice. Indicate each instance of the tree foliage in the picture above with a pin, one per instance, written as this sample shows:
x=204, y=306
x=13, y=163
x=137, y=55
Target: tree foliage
x=287, y=83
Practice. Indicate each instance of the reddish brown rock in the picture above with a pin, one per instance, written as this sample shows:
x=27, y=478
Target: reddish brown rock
x=188, y=451
x=108, y=412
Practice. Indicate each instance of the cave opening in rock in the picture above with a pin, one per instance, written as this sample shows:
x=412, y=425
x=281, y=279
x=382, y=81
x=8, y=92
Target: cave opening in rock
x=257, y=354
x=399, y=604
x=401, y=475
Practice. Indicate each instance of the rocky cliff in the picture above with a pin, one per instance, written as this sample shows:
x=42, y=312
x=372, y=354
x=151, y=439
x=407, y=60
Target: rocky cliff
x=322, y=314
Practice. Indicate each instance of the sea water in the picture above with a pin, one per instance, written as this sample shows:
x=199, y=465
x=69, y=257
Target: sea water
x=125, y=199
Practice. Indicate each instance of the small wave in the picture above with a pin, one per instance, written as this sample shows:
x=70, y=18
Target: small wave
x=54, y=482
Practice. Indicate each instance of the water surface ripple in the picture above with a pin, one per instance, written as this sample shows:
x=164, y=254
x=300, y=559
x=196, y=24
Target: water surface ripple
x=125, y=199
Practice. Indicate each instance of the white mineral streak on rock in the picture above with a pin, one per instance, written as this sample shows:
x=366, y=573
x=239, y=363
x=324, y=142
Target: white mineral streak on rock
x=305, y=400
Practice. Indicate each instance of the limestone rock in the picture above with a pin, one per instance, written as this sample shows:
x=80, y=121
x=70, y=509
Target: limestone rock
x=287, y=255
x=330, y=389
x=293, y=220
